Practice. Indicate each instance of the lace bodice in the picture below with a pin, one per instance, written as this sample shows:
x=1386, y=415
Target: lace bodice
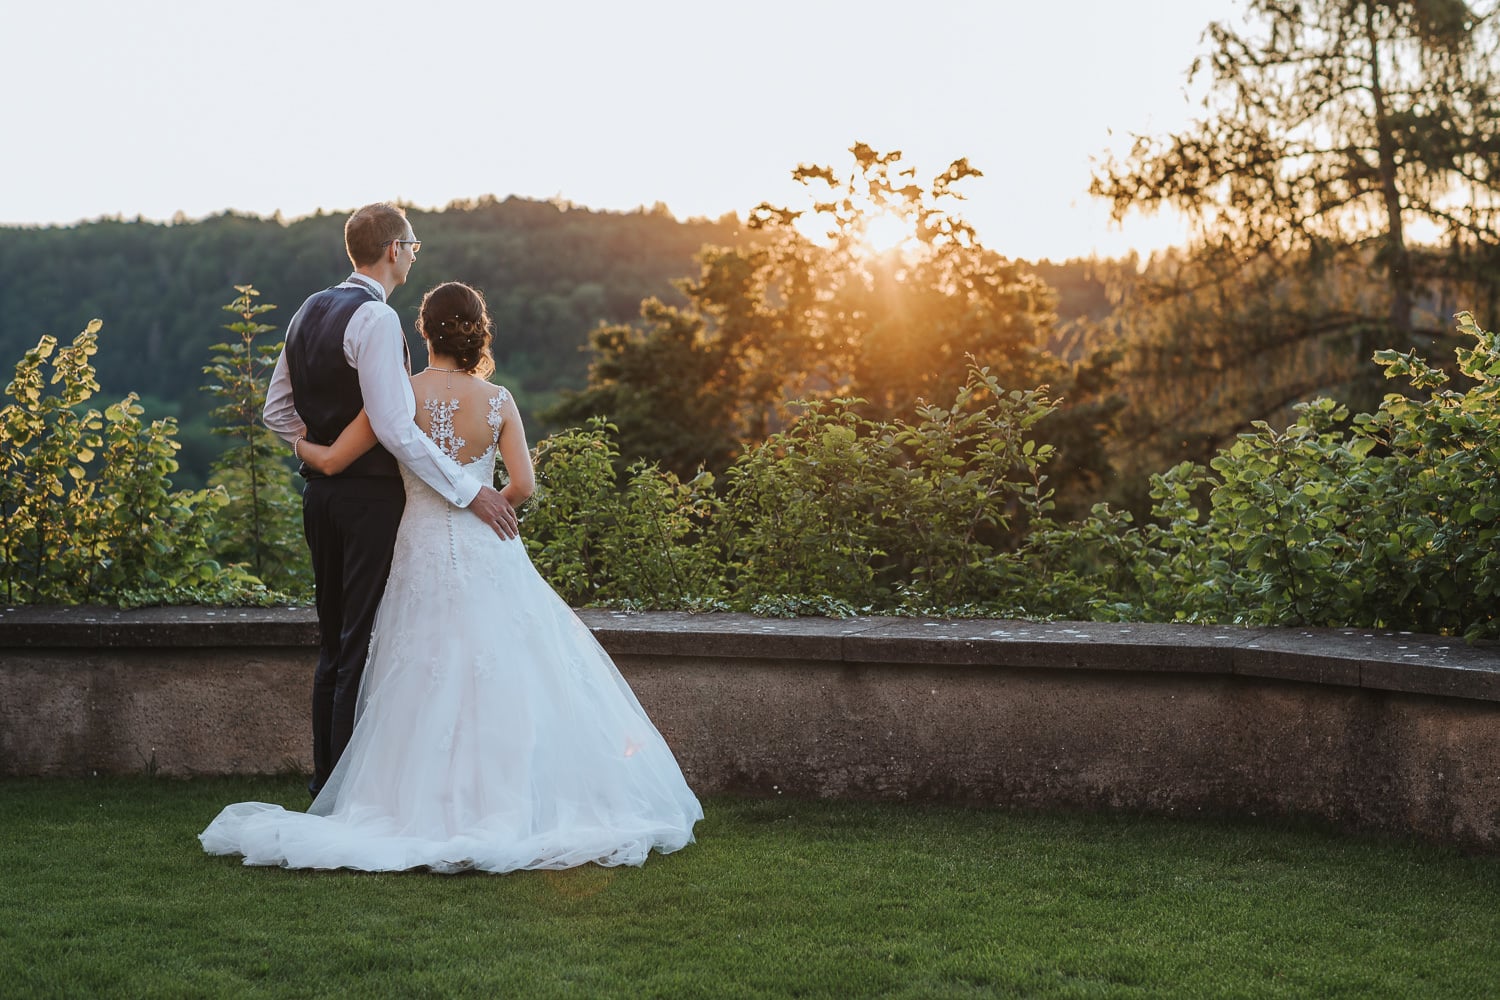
x=446, y=436
x=422, y=499
x=430, y=522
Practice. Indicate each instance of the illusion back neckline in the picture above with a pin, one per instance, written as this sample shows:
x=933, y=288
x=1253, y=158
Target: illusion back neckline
x=445, y=432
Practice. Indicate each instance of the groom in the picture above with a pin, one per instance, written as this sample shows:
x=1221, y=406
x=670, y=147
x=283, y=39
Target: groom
x=345, y=352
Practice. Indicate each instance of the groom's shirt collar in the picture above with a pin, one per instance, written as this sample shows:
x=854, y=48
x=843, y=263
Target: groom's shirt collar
x=355, y=278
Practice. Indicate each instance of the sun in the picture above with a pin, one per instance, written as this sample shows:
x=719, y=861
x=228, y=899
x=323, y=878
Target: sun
x=870, y=230
x=886, y=231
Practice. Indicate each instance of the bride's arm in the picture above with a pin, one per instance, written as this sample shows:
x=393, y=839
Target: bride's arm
x=331, y=459
x=516, y=455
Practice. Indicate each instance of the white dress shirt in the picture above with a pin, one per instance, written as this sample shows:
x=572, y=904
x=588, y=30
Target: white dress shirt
x=375, y=348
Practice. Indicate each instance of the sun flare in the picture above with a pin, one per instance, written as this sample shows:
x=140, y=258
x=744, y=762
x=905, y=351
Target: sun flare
x=886, y=231
x=876, y=230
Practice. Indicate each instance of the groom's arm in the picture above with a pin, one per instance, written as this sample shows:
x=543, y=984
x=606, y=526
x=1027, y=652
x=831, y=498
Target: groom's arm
x=280, y=413
x=374, y=345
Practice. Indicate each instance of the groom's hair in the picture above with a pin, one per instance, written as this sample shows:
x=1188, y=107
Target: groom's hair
x=369, y=229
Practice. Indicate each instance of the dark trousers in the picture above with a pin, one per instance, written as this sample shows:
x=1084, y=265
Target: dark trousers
x=350, y=524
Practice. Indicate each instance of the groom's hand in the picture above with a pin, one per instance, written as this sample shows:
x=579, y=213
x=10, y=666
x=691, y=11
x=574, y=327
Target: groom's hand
x=496, y=511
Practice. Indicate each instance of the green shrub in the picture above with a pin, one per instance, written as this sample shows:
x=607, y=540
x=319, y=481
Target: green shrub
x=87, y=511
x=804, y=509
x=1386, y=520
x=835, y=512
x=1389, y=519
x=888, y=514
x=638, y=545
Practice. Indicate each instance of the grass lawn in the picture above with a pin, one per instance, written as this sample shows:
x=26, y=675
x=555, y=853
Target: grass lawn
x=104, y=891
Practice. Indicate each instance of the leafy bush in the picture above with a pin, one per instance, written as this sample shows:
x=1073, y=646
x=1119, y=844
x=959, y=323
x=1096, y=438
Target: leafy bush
x=835, y=512
x=639, y=546
x=87, y=511
x=1388, y=519
x=806, y=508
x=888, y=514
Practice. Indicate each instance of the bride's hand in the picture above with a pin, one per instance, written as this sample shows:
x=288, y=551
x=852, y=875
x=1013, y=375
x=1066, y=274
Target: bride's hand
x=317, y=457
x=330, y=460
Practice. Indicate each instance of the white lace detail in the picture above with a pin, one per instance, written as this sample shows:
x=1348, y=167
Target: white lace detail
x=496, y=401
x=442, y=432
x=446, y=437
x=493, y=419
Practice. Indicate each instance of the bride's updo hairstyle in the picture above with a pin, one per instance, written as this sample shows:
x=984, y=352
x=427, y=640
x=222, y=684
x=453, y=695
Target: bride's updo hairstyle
x=456, y=323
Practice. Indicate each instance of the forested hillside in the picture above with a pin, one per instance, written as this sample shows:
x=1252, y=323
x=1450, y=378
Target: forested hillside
x=551, y=272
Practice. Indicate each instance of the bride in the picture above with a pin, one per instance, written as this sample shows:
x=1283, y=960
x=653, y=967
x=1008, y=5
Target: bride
x=493, y=732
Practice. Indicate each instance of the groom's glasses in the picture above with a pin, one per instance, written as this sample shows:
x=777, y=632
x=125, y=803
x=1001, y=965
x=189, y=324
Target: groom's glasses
x=414, y=244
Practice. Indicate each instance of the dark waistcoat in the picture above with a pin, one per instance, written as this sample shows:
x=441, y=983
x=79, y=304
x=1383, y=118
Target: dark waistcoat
x=324, y=387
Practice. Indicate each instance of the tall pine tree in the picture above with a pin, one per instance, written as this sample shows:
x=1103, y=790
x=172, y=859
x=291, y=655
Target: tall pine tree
x=1341, y=141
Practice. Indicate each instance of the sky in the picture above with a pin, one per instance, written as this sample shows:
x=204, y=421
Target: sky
x=157, y=107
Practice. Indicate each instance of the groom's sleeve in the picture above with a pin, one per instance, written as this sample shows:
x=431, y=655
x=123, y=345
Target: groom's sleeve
x=378, y=355
x=280, y=413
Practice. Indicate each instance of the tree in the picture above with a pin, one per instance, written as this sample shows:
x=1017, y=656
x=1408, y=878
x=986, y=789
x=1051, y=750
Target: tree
x=666, y=388
x=262, y=519
x=876, y=289
x=1339, y=138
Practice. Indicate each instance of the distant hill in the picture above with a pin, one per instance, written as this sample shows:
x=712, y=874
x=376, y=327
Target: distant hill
x=551, y=272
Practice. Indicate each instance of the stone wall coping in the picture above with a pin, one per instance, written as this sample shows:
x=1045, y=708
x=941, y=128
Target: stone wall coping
x=1378, y=659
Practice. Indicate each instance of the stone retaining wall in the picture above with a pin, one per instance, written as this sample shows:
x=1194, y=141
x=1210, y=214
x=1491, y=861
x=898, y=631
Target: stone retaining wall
x=1364, y=729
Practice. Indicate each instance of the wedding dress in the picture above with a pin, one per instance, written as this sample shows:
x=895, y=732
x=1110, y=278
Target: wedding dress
x=493, y=732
